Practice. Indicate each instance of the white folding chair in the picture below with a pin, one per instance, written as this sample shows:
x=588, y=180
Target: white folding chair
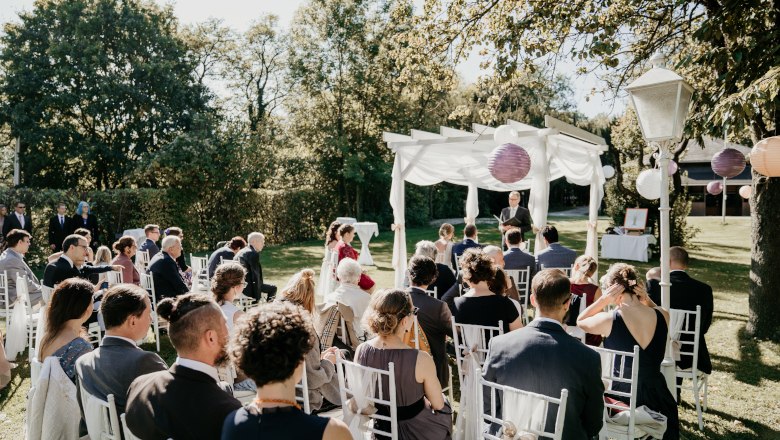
x=93, y=333
x=23, y=294
x=200, y=274
x=619, y=369
x=457, y=264
x=416, y=340
x=472, y=340
x=147, y=282
x=522, y=279
x=101, y=416
x=125, y=430
x=365, y=387
x=333, y=263
x=114, y=277
x=529, y=415
x=302, y=387
x=35, y=370
x=566, y=270
x=433, y=293
x=142, y=261
x=46, y=292
x=686, y=322
x=244, y=302
x=228, y=375
x=5, y=308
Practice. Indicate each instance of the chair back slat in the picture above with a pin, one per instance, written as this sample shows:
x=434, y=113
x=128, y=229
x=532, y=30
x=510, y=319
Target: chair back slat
x=522, y=280
x=688, y=322
x=6, y=308
x=142, y=261
x=374, y=392
x=147, y=282
x=302, y=387
x=620, y=367
x=114, y=277
x=104, y=412
x=479, y=347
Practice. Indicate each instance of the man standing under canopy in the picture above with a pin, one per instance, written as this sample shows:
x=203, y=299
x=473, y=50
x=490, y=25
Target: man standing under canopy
x=515, y=216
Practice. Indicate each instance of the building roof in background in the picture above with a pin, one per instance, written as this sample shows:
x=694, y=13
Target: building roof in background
x=696, y=154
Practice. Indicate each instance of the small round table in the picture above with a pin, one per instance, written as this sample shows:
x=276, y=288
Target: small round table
x=364, y=231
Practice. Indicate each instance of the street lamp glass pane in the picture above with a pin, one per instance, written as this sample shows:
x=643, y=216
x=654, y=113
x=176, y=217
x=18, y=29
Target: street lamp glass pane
x=682, y=111
x=656, y=109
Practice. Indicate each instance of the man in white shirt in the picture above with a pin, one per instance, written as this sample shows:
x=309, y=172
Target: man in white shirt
x=515, y=216
x=118, y=361
x=185, y=401
x=348, y=293
x=18, y=219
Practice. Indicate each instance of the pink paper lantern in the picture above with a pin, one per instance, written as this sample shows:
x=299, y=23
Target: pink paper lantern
x=728, y=163
x=765, y=157
x=509, y=163
x=672, y=167
x=746, y=191
x=715, y=188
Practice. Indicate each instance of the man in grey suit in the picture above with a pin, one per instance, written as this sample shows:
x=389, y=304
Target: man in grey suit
x=555, y=254
x=118, y=361
x=12, y=262
x=542, y=358
x=515, y=258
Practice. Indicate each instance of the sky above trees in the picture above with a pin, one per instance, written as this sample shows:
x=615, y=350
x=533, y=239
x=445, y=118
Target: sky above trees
x=239, y=14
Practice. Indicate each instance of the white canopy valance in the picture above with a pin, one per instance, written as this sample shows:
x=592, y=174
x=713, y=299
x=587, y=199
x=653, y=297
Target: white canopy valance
x=460, y=157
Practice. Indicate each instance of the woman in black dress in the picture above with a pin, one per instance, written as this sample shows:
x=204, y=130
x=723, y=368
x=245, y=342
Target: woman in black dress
x=480, y=305
x=85, y=219
x=269, y=347
x=637, y=320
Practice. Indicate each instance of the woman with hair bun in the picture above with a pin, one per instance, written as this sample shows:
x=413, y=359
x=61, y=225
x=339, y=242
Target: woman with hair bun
x=583, y=286
x=125, y=249
x=444, y=245
x=637, y=320
x=480, y=305
x=321, y=374
x=422, y=411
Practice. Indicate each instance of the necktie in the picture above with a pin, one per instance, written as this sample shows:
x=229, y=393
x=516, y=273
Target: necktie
x=62, y=221
x=21, y=220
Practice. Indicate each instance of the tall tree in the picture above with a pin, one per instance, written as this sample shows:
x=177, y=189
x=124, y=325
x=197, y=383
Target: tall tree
x=727, y=49
x=94, y=85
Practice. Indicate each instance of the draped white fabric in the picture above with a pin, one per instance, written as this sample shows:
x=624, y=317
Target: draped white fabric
x=460, y=157
x=16, y=336
x=525, y=411
x=468, y=425
x=363, y=384
x=676, y=322
x=52, y=407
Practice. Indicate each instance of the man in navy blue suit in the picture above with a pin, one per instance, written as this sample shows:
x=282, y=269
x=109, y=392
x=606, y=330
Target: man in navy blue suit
x=469, y=241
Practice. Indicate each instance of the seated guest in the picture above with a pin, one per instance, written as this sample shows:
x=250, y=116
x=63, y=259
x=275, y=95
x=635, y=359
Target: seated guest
x=152, y=233
x=12, y=262
x=635, y=321
x=542, y=358
x=102, y=259
x=249, y=257
x=69, y=307
x=270, y=346
x=433, y=315
x=444, y=245
x=180, y=261
x=226, y=285
x=111, y=368
x=125, y=249
x=185, y=401
x=422, y=411
x=71, y=263
x=480, y=305
x=225, y=253
x=90, y=254
x=445, y=277
x=165, y=272
x=321, y=374
x=345, y=250
x=582, y=285
x=515, y=258
x=349, y=293
x=470, y=237
x=509, y=288
x=555, y=254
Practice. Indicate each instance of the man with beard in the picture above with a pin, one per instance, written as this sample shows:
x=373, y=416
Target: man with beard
x=185, y=401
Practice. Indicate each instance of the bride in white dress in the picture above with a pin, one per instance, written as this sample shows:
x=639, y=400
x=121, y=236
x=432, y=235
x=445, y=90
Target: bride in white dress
x=327, y=281
x=444, y=245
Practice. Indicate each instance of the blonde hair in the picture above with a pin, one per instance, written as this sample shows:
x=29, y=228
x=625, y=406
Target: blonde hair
x=386, y=310
x=446, y=229
x=103, y=255
x=585, y=265
x=300, y=290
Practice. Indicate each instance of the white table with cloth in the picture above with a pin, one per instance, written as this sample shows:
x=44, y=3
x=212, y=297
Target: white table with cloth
x=346, y=220
x=364, y=231
x=137, y=233
x=627, y=247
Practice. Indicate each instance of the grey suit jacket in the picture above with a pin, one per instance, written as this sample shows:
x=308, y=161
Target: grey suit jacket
x=542, y=358
x=113, y=366
x=13, y=264
x=555, y=255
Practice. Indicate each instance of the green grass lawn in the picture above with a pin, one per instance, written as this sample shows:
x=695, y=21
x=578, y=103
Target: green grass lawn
x=744, y=390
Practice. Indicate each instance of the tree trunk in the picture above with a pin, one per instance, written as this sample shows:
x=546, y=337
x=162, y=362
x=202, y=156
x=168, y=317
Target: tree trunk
x=764, y=300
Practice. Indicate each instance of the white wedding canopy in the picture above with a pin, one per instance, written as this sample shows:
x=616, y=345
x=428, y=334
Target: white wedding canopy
x=460, y=157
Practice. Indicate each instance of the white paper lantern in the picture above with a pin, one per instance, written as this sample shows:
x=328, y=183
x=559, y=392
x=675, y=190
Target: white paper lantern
x=609, y=171
x=648, y=184
x=746, y=191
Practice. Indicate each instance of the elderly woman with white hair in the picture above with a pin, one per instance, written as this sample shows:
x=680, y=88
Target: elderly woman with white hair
x=165, y=272
x=445, y=278
x=349, y=293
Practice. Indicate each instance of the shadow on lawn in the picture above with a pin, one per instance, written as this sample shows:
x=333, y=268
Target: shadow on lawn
x=748, y=369
x=18, y=374
x=759, y=430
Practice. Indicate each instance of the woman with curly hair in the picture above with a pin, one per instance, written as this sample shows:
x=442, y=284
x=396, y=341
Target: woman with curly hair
x=480, y=305
x=422, y=411
x=637, y=320
x=321, y=374
x=269, y=346
x=226, y=285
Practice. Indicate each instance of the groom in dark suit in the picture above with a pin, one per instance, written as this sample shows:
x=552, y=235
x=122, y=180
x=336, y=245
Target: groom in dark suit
x=60, y=226
x=515, y=216
x=542, y=358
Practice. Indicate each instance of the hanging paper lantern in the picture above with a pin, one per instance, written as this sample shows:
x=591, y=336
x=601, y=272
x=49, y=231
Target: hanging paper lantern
x=509, y=163
x=746, y=191
x=672, y=167
x=765, y=157
x=648, y=184
x=728, y=163
x=715, y=188
x=609, y=171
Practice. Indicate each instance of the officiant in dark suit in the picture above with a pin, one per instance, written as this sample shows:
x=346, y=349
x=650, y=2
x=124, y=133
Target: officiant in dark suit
x=515, y=216
x=60, y=226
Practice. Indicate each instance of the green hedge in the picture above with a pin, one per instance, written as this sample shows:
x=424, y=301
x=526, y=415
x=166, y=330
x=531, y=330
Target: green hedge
x=283, y=216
